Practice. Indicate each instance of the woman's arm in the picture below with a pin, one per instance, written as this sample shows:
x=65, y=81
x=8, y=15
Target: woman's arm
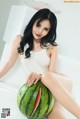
x=12, y=58
x=53, y=56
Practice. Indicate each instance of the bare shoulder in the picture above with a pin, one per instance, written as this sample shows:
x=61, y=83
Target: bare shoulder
x=19, y=36
x=53, y=49
x=17, y=40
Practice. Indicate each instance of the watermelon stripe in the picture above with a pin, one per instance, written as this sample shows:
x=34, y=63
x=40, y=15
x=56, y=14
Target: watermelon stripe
x=23, y=98
x=35, y=114
x=38, y=113
x=27, y=106
x=39, y=109
x=48, y=100
x=41, y=105
x=48, y=103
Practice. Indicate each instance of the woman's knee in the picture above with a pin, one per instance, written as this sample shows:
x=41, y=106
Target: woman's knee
x=48, y=77
x=44, y=77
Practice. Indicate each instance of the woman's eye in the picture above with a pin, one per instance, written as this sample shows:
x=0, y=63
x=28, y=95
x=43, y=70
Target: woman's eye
x=46, y=29
x=38, y=25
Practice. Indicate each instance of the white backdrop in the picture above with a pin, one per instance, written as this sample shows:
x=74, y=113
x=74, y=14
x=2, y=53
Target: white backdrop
x=18, y=19
x=14, y=80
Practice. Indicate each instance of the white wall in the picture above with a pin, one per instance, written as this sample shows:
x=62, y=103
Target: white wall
x=69, y=30
x=5, y=7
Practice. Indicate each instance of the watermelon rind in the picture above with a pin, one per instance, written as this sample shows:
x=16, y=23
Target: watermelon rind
x=26, y=99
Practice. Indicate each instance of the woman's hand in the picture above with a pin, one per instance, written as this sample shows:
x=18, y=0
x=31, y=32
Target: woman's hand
x=33, y=78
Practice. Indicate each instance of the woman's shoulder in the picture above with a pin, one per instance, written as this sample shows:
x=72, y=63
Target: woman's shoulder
x=52, y=48
x=17, y=40
x=19, y=36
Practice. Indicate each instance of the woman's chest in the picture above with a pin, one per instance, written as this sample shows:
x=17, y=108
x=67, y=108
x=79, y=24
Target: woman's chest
x=40, y=58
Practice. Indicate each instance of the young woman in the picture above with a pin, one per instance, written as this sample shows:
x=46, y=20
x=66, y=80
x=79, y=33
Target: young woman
x=38, y=54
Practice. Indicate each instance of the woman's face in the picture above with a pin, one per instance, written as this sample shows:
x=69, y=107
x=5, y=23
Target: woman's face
x=40, y=30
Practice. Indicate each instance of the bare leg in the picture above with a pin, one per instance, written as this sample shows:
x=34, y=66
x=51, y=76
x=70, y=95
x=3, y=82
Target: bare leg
x=58, y=110
x=51, y=80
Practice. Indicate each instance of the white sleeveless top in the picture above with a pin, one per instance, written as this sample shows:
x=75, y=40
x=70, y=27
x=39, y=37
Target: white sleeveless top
x=38, y=62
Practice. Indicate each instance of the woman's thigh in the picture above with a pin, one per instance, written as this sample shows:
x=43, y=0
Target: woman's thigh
x=54, y=77
x=58, y=110
x=67, y=83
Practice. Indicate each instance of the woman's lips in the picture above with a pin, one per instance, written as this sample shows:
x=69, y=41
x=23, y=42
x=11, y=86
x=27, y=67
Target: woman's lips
x=38, y=35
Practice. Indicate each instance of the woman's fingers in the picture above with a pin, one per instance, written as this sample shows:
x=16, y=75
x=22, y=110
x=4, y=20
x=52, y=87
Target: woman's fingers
x=31, y=81
x=33, y=78
x=36, y=81
x=30, y=77
x=38, y=78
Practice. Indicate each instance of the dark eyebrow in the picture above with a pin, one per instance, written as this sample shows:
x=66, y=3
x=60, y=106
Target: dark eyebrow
x=46, y=27
x=38, y=23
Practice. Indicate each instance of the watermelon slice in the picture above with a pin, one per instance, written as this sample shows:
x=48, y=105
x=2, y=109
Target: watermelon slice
x=37, y=101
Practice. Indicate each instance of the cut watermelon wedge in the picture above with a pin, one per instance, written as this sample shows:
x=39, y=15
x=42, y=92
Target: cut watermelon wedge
x=37, y=101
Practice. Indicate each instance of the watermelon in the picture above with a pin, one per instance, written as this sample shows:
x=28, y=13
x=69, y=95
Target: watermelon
x=35, y=101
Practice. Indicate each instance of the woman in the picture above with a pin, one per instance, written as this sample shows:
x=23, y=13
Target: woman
x=38, y=53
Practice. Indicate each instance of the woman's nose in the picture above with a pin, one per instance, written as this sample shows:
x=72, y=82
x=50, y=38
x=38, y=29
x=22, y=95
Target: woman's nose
x=40, y=31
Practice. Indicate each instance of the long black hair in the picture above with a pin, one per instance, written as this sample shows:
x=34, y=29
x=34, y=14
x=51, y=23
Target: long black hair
x=27, y=38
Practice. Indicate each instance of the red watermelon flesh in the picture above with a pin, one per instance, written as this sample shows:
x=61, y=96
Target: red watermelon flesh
x=37, y=101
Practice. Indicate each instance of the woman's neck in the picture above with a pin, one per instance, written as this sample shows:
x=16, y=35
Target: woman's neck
x=37, y=45
x=37, y=40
